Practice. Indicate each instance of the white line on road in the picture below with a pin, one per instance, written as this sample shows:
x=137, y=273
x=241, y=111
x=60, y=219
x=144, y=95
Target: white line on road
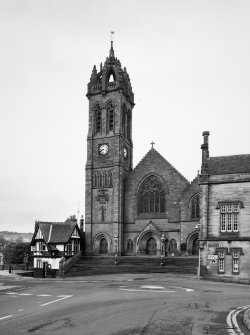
x=145, y=290
x=153, y=287
x=11, y=293
x=25, y=294
x=43, y=295
x=233, y=327
x=62, y=297
x=5, y=317
x=184, y=288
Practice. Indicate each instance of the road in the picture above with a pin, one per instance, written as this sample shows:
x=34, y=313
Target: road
x=122, y=305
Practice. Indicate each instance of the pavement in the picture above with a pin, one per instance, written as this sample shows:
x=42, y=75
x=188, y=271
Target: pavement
x=4, y=274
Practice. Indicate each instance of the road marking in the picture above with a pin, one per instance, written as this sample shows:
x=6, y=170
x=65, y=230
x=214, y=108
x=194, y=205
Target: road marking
x=43, y=295
x=184, y=288
x=25, y=294
x=62, y=297
x=11, y=293
x=153, y=287
x=20, y=310
x=144, y=290
x=5, y=317
x=233, y=327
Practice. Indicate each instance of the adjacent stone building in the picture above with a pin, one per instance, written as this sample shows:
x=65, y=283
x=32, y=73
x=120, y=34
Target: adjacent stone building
x=151, y=209
x=225, y=215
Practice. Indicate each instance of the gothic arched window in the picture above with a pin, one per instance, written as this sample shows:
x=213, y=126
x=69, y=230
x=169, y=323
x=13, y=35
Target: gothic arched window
x=98, y=179
x=110, y=179
x=98, y=119
x=124, y=114
x=151, y=196
x=195, y=208
x=110, y=117
x=129, y=125
x=94, y=180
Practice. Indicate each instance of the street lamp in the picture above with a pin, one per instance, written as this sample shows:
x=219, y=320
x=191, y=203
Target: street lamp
x=198, y=228
x=162, y=249
x=116, y=242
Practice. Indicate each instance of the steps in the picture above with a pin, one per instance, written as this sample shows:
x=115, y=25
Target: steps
x=95, y=265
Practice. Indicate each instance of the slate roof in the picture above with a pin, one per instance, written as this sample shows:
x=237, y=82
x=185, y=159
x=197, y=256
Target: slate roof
x=154, y=156
x=229, y=164
x=55, y=232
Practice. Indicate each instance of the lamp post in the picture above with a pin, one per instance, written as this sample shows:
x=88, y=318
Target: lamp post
x=162, y=249
x=116, y=242
x=198, y=228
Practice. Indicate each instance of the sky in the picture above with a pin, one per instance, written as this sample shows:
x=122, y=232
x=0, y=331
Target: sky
x=189, y=67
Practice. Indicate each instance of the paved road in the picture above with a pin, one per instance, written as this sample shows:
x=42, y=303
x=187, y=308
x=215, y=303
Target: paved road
x=122, y=305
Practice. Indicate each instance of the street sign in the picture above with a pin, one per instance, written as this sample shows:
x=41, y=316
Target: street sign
x=212, y=257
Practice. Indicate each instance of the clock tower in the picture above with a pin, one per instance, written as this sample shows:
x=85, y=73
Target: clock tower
x=109, y=155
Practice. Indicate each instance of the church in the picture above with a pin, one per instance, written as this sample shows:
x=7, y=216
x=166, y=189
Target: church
x=151, y=209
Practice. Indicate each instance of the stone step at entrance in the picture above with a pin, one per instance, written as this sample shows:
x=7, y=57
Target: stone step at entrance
x=93, y=265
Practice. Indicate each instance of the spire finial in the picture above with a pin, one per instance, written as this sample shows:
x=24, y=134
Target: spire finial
x=111, y=52
x=152, y=143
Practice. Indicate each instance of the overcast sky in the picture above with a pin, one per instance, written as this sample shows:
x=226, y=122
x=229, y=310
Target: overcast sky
x=189, y=67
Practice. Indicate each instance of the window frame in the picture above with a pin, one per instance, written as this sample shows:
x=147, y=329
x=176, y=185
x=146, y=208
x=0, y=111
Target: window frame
x=221, y=260
x=151, y=197
x=229, y=216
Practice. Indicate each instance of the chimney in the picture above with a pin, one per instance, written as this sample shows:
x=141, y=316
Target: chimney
x=205, y=152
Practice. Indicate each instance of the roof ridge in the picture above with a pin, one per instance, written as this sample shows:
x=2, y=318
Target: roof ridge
x=162, y=157
x=240, y=155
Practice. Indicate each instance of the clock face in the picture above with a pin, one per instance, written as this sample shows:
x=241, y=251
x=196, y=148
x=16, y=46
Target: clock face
x=103, y=149
x=125, y=152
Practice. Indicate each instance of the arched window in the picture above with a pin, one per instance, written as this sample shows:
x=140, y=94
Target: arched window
x=110, y=117
x=98, y=179
x=111, y=76
x=94, y=180
x=151, y=196
x=129, y=125
x=195, y=208
x=110, y=179
x=124, y=113
x=103, y=179
x=98, y=119
x=172, y=245
x=130, y=245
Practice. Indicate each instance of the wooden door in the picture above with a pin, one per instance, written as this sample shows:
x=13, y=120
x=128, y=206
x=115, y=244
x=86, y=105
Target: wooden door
x=151, y=246
x=103, y=249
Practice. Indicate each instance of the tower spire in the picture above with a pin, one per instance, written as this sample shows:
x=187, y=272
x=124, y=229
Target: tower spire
x=111, y=52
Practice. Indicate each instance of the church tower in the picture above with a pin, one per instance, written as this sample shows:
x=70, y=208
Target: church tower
x=109, y=155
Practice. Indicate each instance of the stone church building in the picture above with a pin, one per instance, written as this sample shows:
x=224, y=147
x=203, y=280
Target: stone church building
x=151, y=209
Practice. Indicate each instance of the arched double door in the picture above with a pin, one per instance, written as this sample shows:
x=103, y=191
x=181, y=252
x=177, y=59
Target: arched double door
x=103, y=246
x=151, y=246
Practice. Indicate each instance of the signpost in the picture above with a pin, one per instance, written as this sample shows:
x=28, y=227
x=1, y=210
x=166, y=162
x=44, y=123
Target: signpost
x=212, y=258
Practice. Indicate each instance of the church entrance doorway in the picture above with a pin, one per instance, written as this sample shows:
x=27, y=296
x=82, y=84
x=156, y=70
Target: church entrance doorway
x=103, y=247
x=193, y=243
x=195, y=249
x=151, y=247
